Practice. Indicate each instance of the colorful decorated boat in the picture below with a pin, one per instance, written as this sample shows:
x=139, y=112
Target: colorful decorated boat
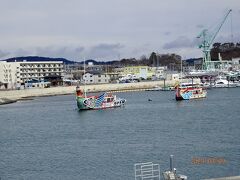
x=186, y=91
x=102, y=101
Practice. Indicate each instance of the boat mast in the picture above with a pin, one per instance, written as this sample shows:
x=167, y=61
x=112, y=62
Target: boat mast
x=181, y=71
x=181, y=68
x=84, y=79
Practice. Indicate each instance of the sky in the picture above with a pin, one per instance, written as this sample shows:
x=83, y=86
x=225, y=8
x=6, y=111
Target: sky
x=112, y=29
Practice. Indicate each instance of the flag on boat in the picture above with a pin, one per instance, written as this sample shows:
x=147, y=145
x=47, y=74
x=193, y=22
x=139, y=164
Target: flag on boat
x=100, y=100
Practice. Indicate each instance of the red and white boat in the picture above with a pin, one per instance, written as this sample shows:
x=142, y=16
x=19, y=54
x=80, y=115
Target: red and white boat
x=187, y=91
x=102, y=101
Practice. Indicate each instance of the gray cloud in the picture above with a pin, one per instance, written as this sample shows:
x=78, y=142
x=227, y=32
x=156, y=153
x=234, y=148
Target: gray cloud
x=69, y=52
x=200, y=26
x=44, y=29
x=228, y=38
x=99, y=51
x=72, y=53
x=105, y=50
x=3, y=54
x=23, y=52
x=183, y=42
x=167, y=33
x=79, y=49
x=180, y=42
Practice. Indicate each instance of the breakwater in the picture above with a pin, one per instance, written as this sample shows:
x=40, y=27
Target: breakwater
x=18, y=94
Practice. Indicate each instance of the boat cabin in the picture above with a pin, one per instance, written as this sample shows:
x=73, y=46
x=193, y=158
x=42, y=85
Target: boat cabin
x=189, y=85
x=109, y=99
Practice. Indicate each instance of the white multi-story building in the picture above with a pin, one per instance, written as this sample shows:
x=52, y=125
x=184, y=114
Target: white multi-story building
x=236, y=63
x=16, y=74
x=95, y=78
x=8, y=75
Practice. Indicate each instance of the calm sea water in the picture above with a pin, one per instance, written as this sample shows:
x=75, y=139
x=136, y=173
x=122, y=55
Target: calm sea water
x=49, y=139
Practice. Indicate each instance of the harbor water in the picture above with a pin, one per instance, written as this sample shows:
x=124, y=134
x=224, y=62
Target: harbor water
x=49, y=139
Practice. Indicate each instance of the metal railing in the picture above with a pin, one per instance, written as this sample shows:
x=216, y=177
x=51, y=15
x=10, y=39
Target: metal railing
x=147, y=171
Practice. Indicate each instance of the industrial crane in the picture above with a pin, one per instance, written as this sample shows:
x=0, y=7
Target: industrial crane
x=207, y=41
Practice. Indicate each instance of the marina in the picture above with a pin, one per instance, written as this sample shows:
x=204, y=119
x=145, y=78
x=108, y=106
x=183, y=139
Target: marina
x=49, y=138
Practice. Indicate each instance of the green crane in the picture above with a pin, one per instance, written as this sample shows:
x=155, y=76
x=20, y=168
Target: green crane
x=207, y=41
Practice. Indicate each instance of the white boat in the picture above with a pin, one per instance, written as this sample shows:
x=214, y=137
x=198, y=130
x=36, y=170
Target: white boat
x=102, y=101
x=222, y=82
x=206, y=85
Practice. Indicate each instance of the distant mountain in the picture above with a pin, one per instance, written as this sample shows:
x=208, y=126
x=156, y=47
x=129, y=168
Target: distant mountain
x=37, y=58
x=165, y=59
x=227, y=51
x=99, y=62
x=65, y=61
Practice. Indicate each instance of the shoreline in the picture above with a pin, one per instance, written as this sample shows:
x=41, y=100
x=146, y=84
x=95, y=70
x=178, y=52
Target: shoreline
x=4, y=101
x=12, y=96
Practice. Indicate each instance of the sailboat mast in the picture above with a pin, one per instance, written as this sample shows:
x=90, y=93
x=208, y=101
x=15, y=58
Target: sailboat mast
x=181, y=68
x=181, y=71
x=84, y=80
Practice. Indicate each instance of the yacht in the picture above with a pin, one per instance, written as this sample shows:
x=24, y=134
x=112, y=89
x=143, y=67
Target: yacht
x=222, y=82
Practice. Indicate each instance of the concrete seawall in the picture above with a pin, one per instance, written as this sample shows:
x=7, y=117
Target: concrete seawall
x=18, y=94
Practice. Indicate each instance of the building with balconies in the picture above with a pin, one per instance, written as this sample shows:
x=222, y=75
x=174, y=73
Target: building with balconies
x=18, y=74
x=8, y=75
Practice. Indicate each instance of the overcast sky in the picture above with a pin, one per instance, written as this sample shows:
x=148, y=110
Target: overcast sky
x=111, y=29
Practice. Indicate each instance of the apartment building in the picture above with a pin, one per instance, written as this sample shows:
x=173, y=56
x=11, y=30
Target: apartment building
x=14, y=75
x=8, y=75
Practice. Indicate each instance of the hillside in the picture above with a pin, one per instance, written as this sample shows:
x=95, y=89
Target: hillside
x=226, y=50
x=65, y=61
x=164, y=60
x=37, y=58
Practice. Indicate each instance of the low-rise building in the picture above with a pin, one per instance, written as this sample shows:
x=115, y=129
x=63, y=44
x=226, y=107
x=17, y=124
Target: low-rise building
x=114, y=77
x=95, y=78
x=158, y=72
x=173, y=76
x=9, y=75
x=236, y=63
x=143, y=72
x=236, y=60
